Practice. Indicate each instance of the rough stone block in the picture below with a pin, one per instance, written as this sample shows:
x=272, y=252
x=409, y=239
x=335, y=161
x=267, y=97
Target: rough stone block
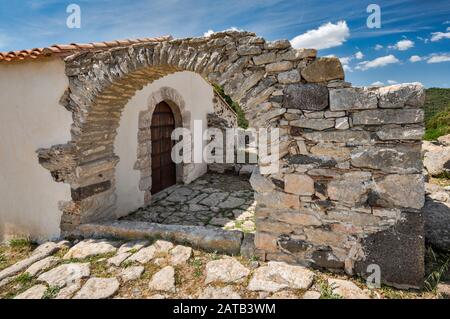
x=289, y=77
x=399, y=252
x=299, y=184
x=279, y=67
x=351, y=188
x=401, y=133
x=310, y=97
x=323, y=70
x=400, y=159
x=378, y=117
x=314, y=124
x=400, y=95
x=403, y=191
x=353, y=99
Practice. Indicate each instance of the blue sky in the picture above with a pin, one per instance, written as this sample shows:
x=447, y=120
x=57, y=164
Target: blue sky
x=409, y=28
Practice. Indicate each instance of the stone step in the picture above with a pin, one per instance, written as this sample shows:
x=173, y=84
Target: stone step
x=208, y=239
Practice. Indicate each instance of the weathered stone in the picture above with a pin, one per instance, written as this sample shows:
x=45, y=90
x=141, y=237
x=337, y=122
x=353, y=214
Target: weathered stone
x=163, y=280
x=314, y=124
x=180, y=255
x=302, y=217
x=68, y=291
x=277, y=276
x=248, y=246
x=219, y=293
x=42, y=265
x=131, y=273
x=132, y=246
x=349, y=137
x=260, y=183
x=330, y=114
x=342, y=124
x=232, y=202
x=347, y=289
x=38, y=254
x=289, y=77
x=144, y=255
x=35, y=292
x=265, y=58
x=353, y=99
x=401, y=133
x=227, y=270
x=311, y=295
x=65, y=274
x=118, y=259
x=323, y=70
x=311, y=97
x=400, y=95
x=437, y=224
x=378, y=117
x=279, y=44
x=283, y=295
x=401, y=159
x=319, y=161
x=355, y=184
x=208, y=239
x=98, y=288
x=278, y=200
x=249, y=50
x=339, y=153
x=88, y=248
x=405, y=191
x=324, y=258
x=214, y=199
x=436, y=159
x=162, y=246
x=299, y=184
x=399, y=251
x=314, y=115
x=279, y=67
x=319, y=236
x=443, y=290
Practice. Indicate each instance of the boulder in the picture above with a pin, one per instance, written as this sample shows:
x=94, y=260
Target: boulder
x=35, y=292
x=131, y=273
x=226, y=292
x=436, y=158
x=437, y=223
x=401, y=95
x=347, y=289
x=65, y=274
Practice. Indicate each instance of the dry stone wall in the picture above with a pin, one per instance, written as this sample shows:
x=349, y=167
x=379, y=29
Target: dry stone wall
x=352, y=172
x=349, y=188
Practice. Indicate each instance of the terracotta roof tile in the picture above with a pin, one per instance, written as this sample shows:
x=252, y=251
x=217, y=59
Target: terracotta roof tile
x=64, y=50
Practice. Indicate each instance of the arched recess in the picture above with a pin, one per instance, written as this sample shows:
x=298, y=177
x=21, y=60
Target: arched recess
x=144, y=152
x=101, y=84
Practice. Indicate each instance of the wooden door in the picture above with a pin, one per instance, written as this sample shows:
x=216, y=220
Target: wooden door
x=163, y=168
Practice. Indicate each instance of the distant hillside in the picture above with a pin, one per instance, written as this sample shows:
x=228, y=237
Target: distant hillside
x=437, y=113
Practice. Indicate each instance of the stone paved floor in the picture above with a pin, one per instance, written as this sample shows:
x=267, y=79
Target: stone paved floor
x=225, y=201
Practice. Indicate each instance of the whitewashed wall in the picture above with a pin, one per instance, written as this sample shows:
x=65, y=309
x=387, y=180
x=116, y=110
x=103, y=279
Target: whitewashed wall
x=198, y=97
x=31, y=118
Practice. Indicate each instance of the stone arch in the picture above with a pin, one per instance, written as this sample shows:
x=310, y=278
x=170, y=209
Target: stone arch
x=182, y=119
x=101, y=84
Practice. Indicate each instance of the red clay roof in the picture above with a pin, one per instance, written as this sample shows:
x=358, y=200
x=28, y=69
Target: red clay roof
x=64, y=50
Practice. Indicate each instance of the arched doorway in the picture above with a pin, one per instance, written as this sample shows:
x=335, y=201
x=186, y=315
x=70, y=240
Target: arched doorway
x=164, y=172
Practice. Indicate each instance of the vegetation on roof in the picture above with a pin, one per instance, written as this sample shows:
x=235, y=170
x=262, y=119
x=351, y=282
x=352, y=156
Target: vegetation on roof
x=242, y=121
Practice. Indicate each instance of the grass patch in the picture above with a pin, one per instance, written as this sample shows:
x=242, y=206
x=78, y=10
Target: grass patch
x=437, y=264
x=242, y=121
x=51, y=292
x=19, y=243
x=197, y=264
x=326, y=291
x=24, y=278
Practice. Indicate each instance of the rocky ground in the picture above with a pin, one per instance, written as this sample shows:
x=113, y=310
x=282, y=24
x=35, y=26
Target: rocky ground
x=100, y=269
x=224, y=201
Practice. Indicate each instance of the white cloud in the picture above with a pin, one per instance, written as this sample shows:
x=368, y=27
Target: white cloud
x=328, y=35
x=448, y=29
x=208, y=33
x=402, y=45
x=377, y=83
x=378, y=62
x=415, y=58
x=392, y=82
x=378, y=47
x=438, y=58
x=359, y=55
x=436, y=36
x=347, y=68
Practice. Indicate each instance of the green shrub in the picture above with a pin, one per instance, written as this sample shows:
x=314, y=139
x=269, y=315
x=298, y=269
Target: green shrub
x=437, y=113
x=242, y=121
